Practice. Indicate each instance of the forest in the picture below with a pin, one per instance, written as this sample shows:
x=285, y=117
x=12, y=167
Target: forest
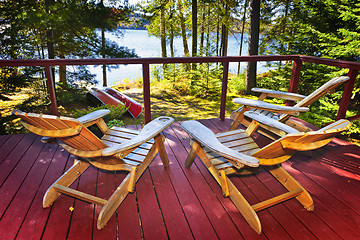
x=55, y=29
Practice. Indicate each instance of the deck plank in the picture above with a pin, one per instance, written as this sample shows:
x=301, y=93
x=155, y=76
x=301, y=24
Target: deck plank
x=82, y=221
x=128, y=221
x=175, y=221
x=220, y=219
x=58, y=222
x=7, y=147
x=283, y=216
x=34, y=223
x=20, y=203
x=16, y=177
x=335, y=197
x=17, y=152
x=334, y=216
x=314, y=223
x=4, y=139
x=151, y=217
x=200, y=225
x=150, y=214
x=337, y=179
x=105, y=186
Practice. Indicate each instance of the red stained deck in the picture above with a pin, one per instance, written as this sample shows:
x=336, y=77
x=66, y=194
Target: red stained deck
x=176, y=202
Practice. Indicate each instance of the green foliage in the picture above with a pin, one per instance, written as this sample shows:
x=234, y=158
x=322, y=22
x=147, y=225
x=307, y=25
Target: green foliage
x=275, y=79
x=115, y=123
x=67, y=95
x=13, y=78
x=204, y=81
x=112, y=119
x=237, y=83
x=60, y=29
x=315, y=28
x=324, y=112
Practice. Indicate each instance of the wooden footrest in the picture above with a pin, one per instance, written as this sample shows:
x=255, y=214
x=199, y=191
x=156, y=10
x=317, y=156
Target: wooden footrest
x=80, y=195
x=278, y=199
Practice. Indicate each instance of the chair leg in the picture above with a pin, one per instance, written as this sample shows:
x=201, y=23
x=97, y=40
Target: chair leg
x=65, y=180
x=233, y=193
x=192, y=154
x=113, y=203
x=123, y=190
x=292, y=185
x=159, y=142
x=244, y=207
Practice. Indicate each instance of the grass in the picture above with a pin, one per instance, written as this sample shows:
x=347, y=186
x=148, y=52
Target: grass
x=181, y=108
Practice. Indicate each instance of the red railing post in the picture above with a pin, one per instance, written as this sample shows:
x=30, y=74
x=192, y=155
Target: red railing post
x=146, y=92
x=345, y=100
x=224, y=90
x=294, y=81
x=51, y=88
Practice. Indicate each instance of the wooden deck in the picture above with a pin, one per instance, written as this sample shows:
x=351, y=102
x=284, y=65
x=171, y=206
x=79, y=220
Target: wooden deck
x=176, y=202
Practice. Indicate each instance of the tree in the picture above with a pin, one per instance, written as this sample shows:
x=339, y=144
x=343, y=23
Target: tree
x=253, y=44
x=194, y=13
x=180, y=13
x=242, y=32
x=15, y=39
x=316, y=28
x=61, y=28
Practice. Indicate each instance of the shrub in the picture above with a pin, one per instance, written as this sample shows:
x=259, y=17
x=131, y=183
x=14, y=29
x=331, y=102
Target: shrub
x=112, y=119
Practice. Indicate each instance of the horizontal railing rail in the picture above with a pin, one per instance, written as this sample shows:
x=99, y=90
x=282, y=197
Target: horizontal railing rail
x=298, y=60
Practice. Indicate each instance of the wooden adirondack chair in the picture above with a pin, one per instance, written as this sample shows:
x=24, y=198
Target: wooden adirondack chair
x=119, y=149
x=281, y=113
x=235, y=152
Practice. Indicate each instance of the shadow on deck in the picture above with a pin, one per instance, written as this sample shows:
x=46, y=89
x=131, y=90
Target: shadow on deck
x=176, y=202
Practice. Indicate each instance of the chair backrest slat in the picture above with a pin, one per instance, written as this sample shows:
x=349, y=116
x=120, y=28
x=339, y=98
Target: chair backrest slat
x=85, y=140
x=86, y=137
x=286, y=146
x=318, y=93
x=77, y=141
x=321, y=91
x=54, y=123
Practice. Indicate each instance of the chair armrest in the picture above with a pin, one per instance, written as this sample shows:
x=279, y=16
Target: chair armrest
x=280, y=94
x=150, y=130
x=88, y=118
x=295, y=111
x=270, y=122
x=207, y=138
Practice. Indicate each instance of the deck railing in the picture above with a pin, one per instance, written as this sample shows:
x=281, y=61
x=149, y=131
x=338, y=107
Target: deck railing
x=298, y=60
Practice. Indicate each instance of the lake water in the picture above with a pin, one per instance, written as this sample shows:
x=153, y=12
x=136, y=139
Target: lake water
x=149, y=46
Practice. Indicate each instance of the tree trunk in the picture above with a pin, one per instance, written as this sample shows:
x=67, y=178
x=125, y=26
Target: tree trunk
x=171, y=23
x=162, y=30
x=208, y=33
x=183, y=28
x=242, y=33
x=194, y=27
x=253, y=44
x=283, y=26
x=103, y=56
x=225, y=31
x=172, y=41
x=224, y=40
x=217, y=38
x=202, y=31
x=50, y=39
x=62, y=70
